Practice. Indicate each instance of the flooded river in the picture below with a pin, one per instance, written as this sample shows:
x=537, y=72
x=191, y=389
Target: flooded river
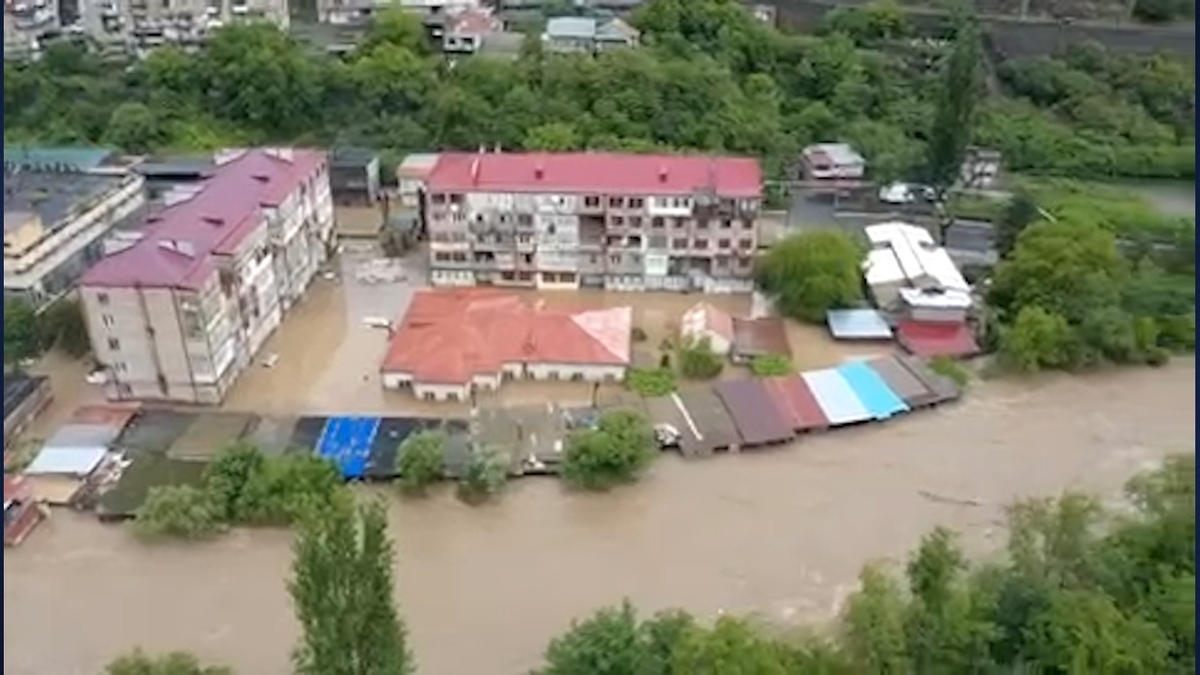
x=781, y=533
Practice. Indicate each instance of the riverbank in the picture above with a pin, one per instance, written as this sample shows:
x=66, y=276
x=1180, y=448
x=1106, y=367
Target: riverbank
x=781, y=533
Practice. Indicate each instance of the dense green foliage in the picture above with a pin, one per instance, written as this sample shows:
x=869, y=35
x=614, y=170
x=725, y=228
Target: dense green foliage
x=342, y=589
x=810, y=273
x=770, y=365
x=1079, y=591
x=242, y=486
x=28, y=335
x=173, y=663
x=709, y=77
x=617, y=451
x=483, y=477
x=651, y=382
x=697, y=360
x=420, y=461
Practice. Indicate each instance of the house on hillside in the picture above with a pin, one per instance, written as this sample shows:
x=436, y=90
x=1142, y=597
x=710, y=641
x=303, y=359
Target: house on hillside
x=980, y=169
x=586, y=34
x=832, y=162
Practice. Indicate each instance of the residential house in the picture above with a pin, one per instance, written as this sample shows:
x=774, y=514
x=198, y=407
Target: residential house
x=586, y=34
x=705, y=322
x=593, y=219
x=454, y=342
x=55, y=219
x=832, y=162
x=411, y=175
x=343, y=12
x=180, y=310
x=146, y=24
x=466, y=31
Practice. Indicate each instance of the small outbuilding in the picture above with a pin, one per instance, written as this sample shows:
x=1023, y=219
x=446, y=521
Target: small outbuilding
x=703, y=321
x=766, y=336
x=928, y=339
x=857, y=324
x=354, y=176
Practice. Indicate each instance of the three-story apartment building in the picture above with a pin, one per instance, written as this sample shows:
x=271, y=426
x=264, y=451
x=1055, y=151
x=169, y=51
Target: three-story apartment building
x=180, y=312
x=593, y=220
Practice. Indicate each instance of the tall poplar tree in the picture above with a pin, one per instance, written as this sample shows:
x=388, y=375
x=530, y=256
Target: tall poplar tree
x=342, y=592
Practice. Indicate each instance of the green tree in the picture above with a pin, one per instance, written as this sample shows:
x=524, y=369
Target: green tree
x=342, y=590
x=1037, y=339
x=698, y=361
x=21, y=335
x=1019, y=213
x=617, y=451
x=954, y=113
x=134, y=127
x=177, y=511
x=420, y=461
x=173, y=663
x=483, y=477
x=812, y=272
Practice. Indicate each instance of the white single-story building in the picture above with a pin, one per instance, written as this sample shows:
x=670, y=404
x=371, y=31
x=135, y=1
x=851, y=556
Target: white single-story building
x=832, y=161
x=934, y=305
x=703, y=321
x=905, y=256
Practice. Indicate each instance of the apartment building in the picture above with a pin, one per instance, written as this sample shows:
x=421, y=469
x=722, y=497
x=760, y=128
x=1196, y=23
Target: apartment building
x=55, y=222
x=179, y=312
x=593, y=220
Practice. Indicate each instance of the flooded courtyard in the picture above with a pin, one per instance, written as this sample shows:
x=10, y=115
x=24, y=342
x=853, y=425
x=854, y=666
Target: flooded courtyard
x=782, y=533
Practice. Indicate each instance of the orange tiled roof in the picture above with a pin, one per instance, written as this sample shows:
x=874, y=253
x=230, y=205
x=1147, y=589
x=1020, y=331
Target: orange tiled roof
x=448, y=336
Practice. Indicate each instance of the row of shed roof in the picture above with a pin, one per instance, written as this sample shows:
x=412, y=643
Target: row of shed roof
x=756, y=412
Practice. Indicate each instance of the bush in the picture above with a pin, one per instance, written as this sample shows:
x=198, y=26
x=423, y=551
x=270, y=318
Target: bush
x=770, y=365
x=698, y=361
x=173, y=663
x=484, y=476
x=617, y=451
x=420, y=461
x=810, y=273
x=287, y=487
x=650, y=382
x=637, y=334
x=179, y=511
x=950, y=369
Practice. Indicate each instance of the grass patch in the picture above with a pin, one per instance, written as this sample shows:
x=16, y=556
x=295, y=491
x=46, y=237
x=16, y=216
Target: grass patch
x=951, y=369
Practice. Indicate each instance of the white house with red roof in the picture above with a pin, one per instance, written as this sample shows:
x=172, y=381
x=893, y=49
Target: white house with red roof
x=705, y=322
x=178, y=312
x=453, y=341
x=593, y=220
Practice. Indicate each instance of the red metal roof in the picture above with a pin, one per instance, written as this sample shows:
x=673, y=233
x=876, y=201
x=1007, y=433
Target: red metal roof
x=796, y=402
x=596, y=172
x=15, y=487
x=448, y=336
x=180, y=241
x=759, y=421
x=925, y=338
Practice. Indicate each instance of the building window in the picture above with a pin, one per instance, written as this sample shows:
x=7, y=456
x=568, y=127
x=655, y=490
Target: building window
x=722, y=243
x=616, y=202
x=107, y=320
x=428, y=396
x=680, y=223
x=726, y=224
x=591, y=202
x=637, y=203
x=553, y=374
x=102, y=298
x=700, y=244
x=614, y=259
x=747, y=224
x=635, y=221
x=114, y=344
x=524, y=219
x=124, y=390
x=679, y=244
x=618, y=221
x=120, y=367
x=567, y=278
x=702, y=225
x=745, y=244
x=657, y=221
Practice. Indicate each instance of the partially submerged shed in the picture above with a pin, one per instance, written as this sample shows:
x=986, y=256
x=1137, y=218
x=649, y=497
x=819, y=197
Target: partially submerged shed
x=872, y=390
x=943, y=387
x=758, y=420
x=916, y=394
x=929, y=339
x=765, y=336
x=796, y=402
x=716, y=427
x=857, y=324
x=836, y=398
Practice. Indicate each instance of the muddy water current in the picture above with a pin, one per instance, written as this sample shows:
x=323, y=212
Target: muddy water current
x=781, y=533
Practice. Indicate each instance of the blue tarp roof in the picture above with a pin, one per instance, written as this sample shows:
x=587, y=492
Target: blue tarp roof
x=61, y=460
x=347, y=441
x=836, y=397
x=874, y=393
x=857, y=324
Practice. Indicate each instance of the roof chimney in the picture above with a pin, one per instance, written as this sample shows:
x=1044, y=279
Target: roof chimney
x=213, y=220
x=662, y=173
x=539, y=171
x=262, y=178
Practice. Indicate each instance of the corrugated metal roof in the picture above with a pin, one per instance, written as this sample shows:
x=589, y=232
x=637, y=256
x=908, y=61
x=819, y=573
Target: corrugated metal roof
x=902, y=381
x=755, y=337
x=83, y=436
x=857, y=324
x=796, y=402
x=943, y=387
x=924, y=338
x=758, y=419
x=874, y=393
x=78, y=461
x=835, y=396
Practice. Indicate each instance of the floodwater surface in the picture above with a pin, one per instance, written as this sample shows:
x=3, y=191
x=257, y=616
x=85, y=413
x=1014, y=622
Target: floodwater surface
x=782, y=533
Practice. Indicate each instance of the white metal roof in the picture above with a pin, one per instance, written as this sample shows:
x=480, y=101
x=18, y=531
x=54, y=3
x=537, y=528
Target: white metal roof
x=936, y=299
x=881, y=268
x=921, y=262
x=60, y=460
x=840, y=154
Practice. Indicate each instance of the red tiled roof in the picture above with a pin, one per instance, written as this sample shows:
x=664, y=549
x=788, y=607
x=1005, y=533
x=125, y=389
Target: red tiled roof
x=14, y=488
x=212, y=222
x=448, y=336
x=475, y=22
x=925, y=338
x=596, y=172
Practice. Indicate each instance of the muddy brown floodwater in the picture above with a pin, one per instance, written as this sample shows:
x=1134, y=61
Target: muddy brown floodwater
x=782, y=533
